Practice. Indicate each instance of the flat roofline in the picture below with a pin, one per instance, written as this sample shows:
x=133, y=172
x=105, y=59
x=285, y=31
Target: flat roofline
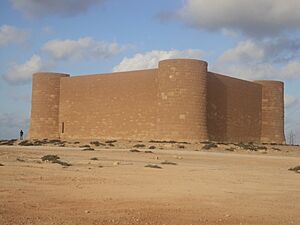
x=248, y=81
x=115, y=73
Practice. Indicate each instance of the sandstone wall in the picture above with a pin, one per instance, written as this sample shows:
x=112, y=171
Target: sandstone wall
x=182, y=99
x=45, y=105
x=234, y=109
x=272, y=129
x=119, y=105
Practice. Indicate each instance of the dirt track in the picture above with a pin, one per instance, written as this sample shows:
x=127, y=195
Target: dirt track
x=203, y=188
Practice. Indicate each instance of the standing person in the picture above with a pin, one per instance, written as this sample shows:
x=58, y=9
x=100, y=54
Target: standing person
x=21, y=135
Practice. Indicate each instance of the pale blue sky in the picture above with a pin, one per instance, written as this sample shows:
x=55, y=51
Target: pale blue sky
x=246, y=39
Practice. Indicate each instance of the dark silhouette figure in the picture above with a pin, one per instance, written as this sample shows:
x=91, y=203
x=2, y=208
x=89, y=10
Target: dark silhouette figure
x=21, y=135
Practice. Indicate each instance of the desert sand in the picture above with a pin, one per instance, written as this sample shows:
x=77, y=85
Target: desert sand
x=203, y=187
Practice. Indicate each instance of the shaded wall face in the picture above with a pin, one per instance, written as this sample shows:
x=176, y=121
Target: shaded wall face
x=45, y=105
x=272, y=112
x=121, y=105
x=234, y=109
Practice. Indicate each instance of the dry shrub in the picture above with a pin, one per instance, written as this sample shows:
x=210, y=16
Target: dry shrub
x=54, y=159
x=154, y=166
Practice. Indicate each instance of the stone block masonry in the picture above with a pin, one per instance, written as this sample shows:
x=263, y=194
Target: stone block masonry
x=180, y=100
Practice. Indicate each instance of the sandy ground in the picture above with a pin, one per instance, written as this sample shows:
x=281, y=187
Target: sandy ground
x=203, y=188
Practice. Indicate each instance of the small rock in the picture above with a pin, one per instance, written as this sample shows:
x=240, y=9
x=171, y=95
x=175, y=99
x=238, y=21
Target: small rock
x=262, y=151
x=116, y=163
x=87, y=211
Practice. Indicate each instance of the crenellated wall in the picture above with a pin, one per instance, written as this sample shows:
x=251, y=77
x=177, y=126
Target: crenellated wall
x=44, y=120
x=180, y=100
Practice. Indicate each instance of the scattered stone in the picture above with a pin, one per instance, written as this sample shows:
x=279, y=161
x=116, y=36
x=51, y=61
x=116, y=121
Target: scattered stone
x=1, y=164
x=8, y=142
x=20, y=160
x=153, y=166
x=152, y=147
x=87, y=211
x=54, y=141
x=148, y=152
x=250, y=146
x=262, y=148
x=276, y=149
x=209, y=146
x=97, y=143
x=26, y=143
x=116, y=163
x=88, y=149
x=169, y=142
x=84, y=146
x=168, y=163
x=94, y=158
x=110, y=141
x=205, y=142
x=139, y=146
x=231, y=149
x=134, y=150
x=222, y=143
x=38, y=142
x=54, y=159
x=181, y=146
x=295, y=169
x=50, y=158
x=262, y=151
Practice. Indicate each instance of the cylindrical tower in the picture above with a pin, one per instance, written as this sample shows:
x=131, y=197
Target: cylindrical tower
x=272, y=121
x=182, y=85
x=44, y=121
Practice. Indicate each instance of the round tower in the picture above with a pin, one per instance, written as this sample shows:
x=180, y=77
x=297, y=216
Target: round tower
x=44, y=122
x=182, y=85
x=272, y=121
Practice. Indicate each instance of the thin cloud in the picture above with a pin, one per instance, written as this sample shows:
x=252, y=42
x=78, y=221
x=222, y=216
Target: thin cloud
x=150, y=59
x=64, y=8
x=12, y=35
x=83, y=48
x=59, y=51
x=22, y=73
x=267, y=59
x=253, y=18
